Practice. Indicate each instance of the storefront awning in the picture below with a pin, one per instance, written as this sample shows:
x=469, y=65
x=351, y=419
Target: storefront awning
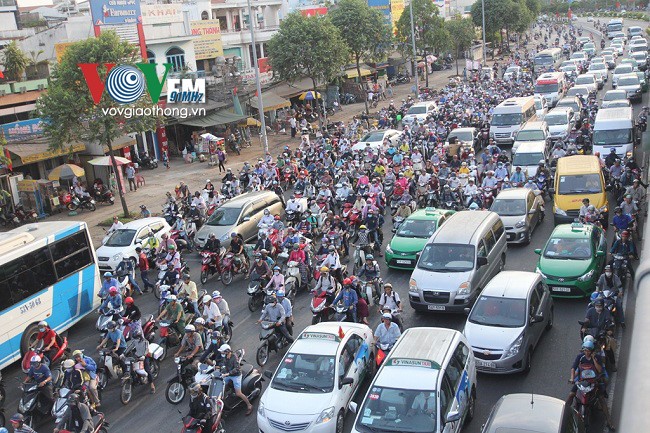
x=120, y=143
x=39, y=150
x=220, y=117
x=352, y=73
x=271, y=101
x=286, y=90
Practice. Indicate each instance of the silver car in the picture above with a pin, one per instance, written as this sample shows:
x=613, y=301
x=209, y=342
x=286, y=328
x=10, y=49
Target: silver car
x=520, y=212
x=507, y=321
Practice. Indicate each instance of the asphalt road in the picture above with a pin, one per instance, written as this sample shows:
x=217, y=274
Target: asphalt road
x=151, y=413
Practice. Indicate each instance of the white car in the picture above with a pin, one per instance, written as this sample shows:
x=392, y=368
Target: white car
x=589, y=81
x=560, y=121
x=419, y=112
x=601, y=68
x=618, y=47
x=512, y=73
x=321, y=372
x=612, y=96
x=123, y=242
x=541, y=107
x=632, y=86
x=375, y=139
x=619, y=71
x=570, y=70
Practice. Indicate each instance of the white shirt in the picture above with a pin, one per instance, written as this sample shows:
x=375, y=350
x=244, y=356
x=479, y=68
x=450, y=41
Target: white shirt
x=332, y=261
x=294, y=205
x=212, y=312
x=470, y=189
x=266, y=219
x=115, y=226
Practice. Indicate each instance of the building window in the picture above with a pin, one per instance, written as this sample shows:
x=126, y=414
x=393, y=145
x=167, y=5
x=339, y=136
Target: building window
x=151, y=57
x=176, y=57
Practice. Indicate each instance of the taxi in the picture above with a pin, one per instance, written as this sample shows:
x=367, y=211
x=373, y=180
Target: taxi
x=412, y=235
x=320, y=374
x=573, y=259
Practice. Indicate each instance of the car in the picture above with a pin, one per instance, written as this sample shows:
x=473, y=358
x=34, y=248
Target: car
x=419, y=112
x=466, y=136
x=603, y=73
x=620, y=70
x=630, y=61
x=541, y=107
x=569, y=70
x=633, y=31
x=632, y=86
x=618, y=47
x=618, y=103
x=239, y=215
x=610, y=61
x=582, y=40
x=520, y=212
x=589, y=48
x=375, y=139
x=575, y=103
x=609, y=52
x=619, y=37
x=589, y=81
x=590, y=19
x=533, y=132
x=533, y=413
x=560, y=121
x=641, y=59
x=412, y=235
x=508, y=320
x=317, y=378
x=528, y=156
x=579, y=90
x=512, y=73
x=613, y=95
x=123, y=241
x=580, y=57
x=572, y=259
x=643, y=80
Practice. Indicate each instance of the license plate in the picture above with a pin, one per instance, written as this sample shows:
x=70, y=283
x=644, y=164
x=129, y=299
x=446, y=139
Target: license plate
x=560, y=289
x=403, y=262
x=436, y=307
x=485, y=364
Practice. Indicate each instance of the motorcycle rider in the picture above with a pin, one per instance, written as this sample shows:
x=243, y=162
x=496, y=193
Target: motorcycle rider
x=350, y=299
x=18, y=424
x=518, y=177
x=489, y=181
x=174, y=310
x=200, y=407
x=371, y=271
x=374, y=223
x=125, y=267
x=333, y=262
x=188, y=290
x=90, y=367
x=181, y=226
x=166, y=244
x=610, y=281
x=636, y=191
x=47, y=340
x=621, y=221
x=117, y=224
x=597, y=318
x=197, y=213
x=275, y=312
x=387, y=331
x=174, y=265
x=276, y=281
x=237, y=247
x=112, y=302
x=326, y=283
x=191, y=343
x=224, y=309
x=263, y=243
x=260, y=269
x=625, y=247
x=288, y=309
x=403, y=210
x=211, y=312
x=266, y=220
x=231, y=373
x=390, y=299
x=116, y=337
x=77, y=417
x=293, y=205
x=141, y=352
x=628, y=206
x=109, y=281
x=72, y=377
x=211, y=355
x=132, y=314
x=40, y=373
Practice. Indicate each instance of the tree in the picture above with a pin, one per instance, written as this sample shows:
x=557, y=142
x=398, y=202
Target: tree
x=15, y=61
x=534, y=7
x=3, y=158
x=69, y=112
x=309, y=47
x=461, y=31
x=34, y=63
x=430, y=32
x=364, y=31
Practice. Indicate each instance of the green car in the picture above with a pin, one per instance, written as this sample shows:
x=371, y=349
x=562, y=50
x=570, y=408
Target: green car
x=412, y=236
x=572, y=260
x=643, y=81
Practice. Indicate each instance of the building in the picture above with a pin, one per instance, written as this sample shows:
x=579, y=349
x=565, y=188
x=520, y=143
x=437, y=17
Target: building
x=8, y=15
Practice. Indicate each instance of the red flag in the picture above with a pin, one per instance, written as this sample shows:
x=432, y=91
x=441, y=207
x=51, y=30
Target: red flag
x=10, y=166
x=380, y=357
x=2, y=75
x=234, y=90
x=341, y=333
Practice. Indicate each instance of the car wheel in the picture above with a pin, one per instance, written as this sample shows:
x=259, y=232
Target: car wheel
x=528, y=360
x=529, y=235
x=340, y=422
x=549, y=324
x=471, y=407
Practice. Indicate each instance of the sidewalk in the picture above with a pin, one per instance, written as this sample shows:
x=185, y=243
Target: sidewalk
x=161, y=180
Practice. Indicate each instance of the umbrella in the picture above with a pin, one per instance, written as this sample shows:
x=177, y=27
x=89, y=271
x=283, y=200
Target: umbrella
x=250, y=122
x=209, y=136
x=66, y=171
x=106, y=160
x=309, y=96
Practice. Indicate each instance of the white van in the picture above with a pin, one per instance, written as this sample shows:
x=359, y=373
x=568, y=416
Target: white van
x=614, y=129
x=509, y=117
x=427, y=383
x=528, y=156
x=536, y=131
x=551, y=86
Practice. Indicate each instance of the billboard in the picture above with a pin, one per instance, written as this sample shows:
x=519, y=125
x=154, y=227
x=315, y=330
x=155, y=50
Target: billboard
x=396, y=9
x=382, y=6
x=22, y=130
x=162, y=14
x=115, y=12
x=208, y=43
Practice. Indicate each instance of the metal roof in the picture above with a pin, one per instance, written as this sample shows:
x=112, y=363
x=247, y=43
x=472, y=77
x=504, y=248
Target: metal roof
x=431, y=344
x=470, y=221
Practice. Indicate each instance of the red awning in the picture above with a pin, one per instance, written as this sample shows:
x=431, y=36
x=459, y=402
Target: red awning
x=314, y=11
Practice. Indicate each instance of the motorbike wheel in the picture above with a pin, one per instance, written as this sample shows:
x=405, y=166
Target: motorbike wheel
x=227, y=277
x=91, y=207
x=155, y=369
x=127, y=392
x=102, y=378
x=204, y=276
x=175, y=392
x=252, y=304
x=262, y=356
x=71, y=206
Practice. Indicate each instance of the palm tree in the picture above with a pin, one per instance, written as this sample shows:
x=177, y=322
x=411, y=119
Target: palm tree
x=34, y=63
x=14, y=61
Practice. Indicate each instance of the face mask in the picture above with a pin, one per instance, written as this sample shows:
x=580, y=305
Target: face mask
x=608, y=274
x=276, y=272
x=41, y=329
x=215, y=341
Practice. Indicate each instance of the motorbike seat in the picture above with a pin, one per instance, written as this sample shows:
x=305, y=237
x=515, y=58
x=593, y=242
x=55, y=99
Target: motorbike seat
x=246, y=370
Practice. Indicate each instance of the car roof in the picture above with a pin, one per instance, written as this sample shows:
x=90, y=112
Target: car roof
x=467, y=129
x=428, y=214
x=471, y=220
x=513, y=193
x=324, y=338
x=534, y=125
x=615, y=92
x=531, y=413
x=139, y=223
x=577, y=164
x=511, y=284
x=572, y=231
x=246, y=198
x=433, y=344
x=530, y=147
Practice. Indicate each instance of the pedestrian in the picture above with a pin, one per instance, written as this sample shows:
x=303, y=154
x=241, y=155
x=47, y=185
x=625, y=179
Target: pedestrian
x=464, y=74
x=293, y=124
x=389, y=89
x=165, y=158
x=221, y=157
x=143, y=265
x=130, y=176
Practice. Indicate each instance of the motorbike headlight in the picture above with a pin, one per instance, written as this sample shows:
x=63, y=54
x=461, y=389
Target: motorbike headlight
x=260, y=410
x=514, y=347
x=587, y=276
x=389, y=250
x=464, y=288
x=521, y=224
x=539, y=271
x=559, y=211
x=224, y=237
x=117, y=257
x=413, y=286
x=325, y=415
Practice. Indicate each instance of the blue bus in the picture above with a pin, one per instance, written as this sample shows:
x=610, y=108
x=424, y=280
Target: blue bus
x=48, y=271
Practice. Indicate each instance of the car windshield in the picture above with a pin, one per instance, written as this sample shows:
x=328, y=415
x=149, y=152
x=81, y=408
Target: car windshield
x=579, y=56
x=299, y=372
x=555, y=119
x=462, y=136
x=224, y=216
x=580, y=184
x=585, y=79
x=628, y=81
x=613, y=96
x=545, y=88
x=404, y=410
x=617, y=104
x=502, y=119
x=120, y=238
x=526, y=159
x=373, y=136
x=623, y=69
x=530, y=135
x=597, y=67
x=447, y=258
x=509, y=207
x=544, y=60
x=500, y=312
x=568, y=248
x=538, y=104
x=417, y=110
x=416, y=229
x=612, y=136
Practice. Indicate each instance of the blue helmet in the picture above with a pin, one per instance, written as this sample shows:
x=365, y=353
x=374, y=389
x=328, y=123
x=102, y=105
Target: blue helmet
x=594, y=296
x=588, y=345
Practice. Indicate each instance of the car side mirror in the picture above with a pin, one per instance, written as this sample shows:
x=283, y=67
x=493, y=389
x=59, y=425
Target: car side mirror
x=538, y=251
x=536, y=318
x=245, y=219
x=453, y=416
x=268, y=373
x=481, y=261
x=352, y=406
x=466, y=310
x=600, y=253
x=345, y=381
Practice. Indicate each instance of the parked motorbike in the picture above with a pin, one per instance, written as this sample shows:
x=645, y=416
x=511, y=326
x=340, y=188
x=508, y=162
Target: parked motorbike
x=77, y=203
x=132, y=378
x=103, y=195
x=272, y=340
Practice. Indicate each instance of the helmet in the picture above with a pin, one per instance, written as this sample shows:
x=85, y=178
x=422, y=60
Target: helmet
x=541, y=162
x=473, y=206
x=172, y=247
x=386, y=316
x=200, y=321
x=107, y=275
x=331, y=248
x=276, y=268
x=68, y=363
x=206, y=299
x=112, y=291
x=77, y=353
x=347, y=282
x=128, y=300
x=589, y=345
x=18, y=418
x=190, y=328
x=42, y=324
x=324, y=269
x=216, y=334
x=171, y=298
x=370, y=257
x=35, y=358
x=111, y=325
x=591, y=208
x=362, y=227
x=608, y=267
x=388, y=285
x=598, y=301
x=225, y=348
x=194, y=389
x=233, y=235
x=216, y=294
x=280, y=294
x=617, y=209
x=269, y=299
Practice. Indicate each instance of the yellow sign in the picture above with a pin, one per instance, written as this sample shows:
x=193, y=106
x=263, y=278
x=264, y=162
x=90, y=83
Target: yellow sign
x=60, y=48
x=27, y=185
x=396, y=9
x=207, y=41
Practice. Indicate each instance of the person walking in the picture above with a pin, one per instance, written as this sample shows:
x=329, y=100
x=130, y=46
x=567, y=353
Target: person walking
x=130, y=176
x=221, y=158
x=293, y=124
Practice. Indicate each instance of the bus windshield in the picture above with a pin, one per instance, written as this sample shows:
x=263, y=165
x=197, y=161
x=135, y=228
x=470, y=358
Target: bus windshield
x=546, y=88
x=614, y=27
x=544, y=60
x=507, y=119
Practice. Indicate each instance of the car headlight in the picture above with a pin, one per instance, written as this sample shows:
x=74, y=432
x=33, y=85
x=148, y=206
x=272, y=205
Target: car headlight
x=464, y=288
x=224, y=237
x=325, y=415
x=413, y=286
x=521, y=224
x=389, y=250
x=559, y=211
x=514, y=347
x=117, y=257
x=260, y=410
x=587, y=276
x=539, y=271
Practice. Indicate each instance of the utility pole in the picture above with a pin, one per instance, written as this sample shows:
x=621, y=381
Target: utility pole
x=483, y=18
x=415, y=69
x=258, y=85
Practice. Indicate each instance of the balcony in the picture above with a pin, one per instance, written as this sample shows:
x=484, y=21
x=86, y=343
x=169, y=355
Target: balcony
x=29, y=85
x=243, y=36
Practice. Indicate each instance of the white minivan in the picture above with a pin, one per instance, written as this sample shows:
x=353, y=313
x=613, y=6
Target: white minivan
x=614, y=129
x=427, y=383
x=509, y=117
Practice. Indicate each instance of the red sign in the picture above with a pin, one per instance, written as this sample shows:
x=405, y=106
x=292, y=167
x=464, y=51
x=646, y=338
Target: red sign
x=263, y=64
x=311, y=12
x=161, y=133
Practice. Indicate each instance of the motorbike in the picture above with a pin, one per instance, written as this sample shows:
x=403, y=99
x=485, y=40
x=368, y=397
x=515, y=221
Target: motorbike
x=24, y=216
x=586, y=399
x=108, y=367
x=103, y=195
x=106, y=316
x=124, y=284
x=397, y=221
x=382, y=353
x=256, y=293
x=292, y=217
x=342, y=313
x=169, y=337
x=54, y=364
x=147, y=162
x=321, y=312
x=370, y=291
x=293, y=280
x=178, y=384
x=181, y=243
x=32, y=405
x=82, y=203
x=231, y=265
x=272, y=340
x=209, y=261
x=132, y=378
x=488, y=197
x=620, y=267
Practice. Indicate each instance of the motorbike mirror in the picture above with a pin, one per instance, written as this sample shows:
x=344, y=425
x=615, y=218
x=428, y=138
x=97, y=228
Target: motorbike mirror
x=538, y=251
x=453, y=416
x=600, y=253
x=245, y=219
x=345, y=381
x=352, y=406
x=481, y=261
x=268, y=373
x=466, y=310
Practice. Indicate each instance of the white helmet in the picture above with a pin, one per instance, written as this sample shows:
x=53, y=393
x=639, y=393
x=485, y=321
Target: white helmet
x=200, y=321
x=206, y=299
x=35, y=358
x=190, y=328
x=225, y=348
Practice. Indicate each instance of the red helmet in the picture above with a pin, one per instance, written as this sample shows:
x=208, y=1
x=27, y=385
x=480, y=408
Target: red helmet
x=128, y=300
x=347, y=282
x=277, y=217
x=112, y=290
x=625, y=233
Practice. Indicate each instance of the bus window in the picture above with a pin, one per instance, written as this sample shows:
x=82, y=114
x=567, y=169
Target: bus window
x=71, y=254
x=25, y=276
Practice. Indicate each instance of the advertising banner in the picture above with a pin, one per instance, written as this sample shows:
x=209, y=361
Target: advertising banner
x=396, y=9
x=114, y=12
x=207, y=44
x=22, y=130
x=382, y=6
x=162, y=14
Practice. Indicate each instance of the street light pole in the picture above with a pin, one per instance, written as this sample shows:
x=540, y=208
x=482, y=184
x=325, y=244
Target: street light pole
x=415, y=69
x=483, y=18
x=258, y=85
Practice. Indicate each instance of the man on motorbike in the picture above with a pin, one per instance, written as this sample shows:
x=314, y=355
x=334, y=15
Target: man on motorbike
x=125, y=267
x=40, y=373
x=621, y=221
x=211, y=354
x=165, y=244
x=231, y=373
x=326, y=283
x=260, y=269
x=597, y=318
x=109, y=281
x=266, y=220
x=200, y=407
x=112, y=302
x=288, y=309
x=224, y=309
x=132, y=314
x=47, y=340
x=610, y=281
x=237, y=247
x=333, y=262
x=77, y=417
x=174, y=311
x=616, y=170
x=403, y=211
x=117, y=224
x=387, y=331
x=90, y=367
x=611, y=158
x=625, y=247
x=637, y=191
x=628, y=207
x=370, y=271
x=181, y=226
x=191, y=343
x=18, y=424
x=518, y=176
x=374, y=221
x=350, y=299
x=489, y=181
x=275, y=312
x=72, y=377
x=390, y=299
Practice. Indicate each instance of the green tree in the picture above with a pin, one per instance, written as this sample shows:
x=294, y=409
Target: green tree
x=364, y=31
x=14, y=61
x=68, y=109
x=3, y=158
x=309, y=47
x=34, y=63
x=462, y=32
x=534, y=6
x=431, y=35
